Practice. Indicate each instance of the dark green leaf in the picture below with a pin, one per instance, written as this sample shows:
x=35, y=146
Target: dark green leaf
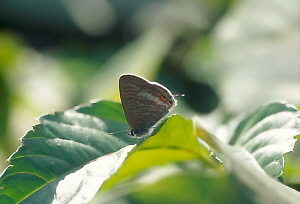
x=60, y=145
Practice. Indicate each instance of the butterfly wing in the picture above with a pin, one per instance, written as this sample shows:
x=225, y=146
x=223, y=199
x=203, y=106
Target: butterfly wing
x=150, y=107
x=129, y=86
x=142, y=102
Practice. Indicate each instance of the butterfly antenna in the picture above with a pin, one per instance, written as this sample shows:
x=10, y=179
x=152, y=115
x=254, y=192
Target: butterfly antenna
x=179, y=95
x=111, y=133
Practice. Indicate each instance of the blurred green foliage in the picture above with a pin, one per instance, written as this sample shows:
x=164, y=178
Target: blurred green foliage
x=226, y=56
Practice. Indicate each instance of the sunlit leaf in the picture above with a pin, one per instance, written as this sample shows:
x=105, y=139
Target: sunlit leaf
x=268, y=133
x=260, y=141
x=253, y=181
x=174, y=142
x=182, y=182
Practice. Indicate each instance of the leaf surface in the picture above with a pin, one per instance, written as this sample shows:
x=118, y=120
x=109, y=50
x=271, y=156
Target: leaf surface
x=63, y=143
x=267, y=134
x=175, y=142
x=259, y=143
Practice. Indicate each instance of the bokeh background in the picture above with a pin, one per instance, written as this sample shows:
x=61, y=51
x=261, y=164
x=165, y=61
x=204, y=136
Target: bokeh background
x=227, y=57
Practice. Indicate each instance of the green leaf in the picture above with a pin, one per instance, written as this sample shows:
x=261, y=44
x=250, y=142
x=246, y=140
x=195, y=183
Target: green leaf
x=291, y=174
x=69, y=155
x=268, y=133
x=253, y=182
x=175, y=141
x=81, y=185
x=261, y=140
x=180, y=182
x=171, y=167
x=63, y=143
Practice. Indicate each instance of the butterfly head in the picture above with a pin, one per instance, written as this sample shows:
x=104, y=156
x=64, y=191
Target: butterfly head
x=168, y=100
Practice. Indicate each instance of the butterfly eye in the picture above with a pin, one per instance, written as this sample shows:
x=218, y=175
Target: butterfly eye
x=164, y=97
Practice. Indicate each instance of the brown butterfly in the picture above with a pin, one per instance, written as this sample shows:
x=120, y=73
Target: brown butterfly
x=144, y=102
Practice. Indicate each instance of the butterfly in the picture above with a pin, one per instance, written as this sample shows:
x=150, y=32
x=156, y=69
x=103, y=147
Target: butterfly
x=144, y=102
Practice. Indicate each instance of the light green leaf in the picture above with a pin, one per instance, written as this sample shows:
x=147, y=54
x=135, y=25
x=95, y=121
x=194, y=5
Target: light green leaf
x=253, y=181
x=260, y=141
x=291, y=174
x=176, y=183
x=267, y=134
x=175, y=141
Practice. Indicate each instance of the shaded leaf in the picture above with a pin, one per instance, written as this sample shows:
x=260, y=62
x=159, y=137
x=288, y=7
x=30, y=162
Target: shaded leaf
x=60, y=145
x=82, y=185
